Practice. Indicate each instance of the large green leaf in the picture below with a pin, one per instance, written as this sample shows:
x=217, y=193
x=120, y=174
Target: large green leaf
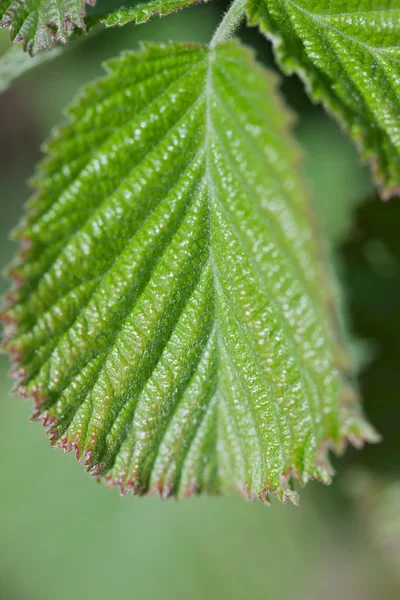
x=348, y=53
x=41, y=24
x=172, y=319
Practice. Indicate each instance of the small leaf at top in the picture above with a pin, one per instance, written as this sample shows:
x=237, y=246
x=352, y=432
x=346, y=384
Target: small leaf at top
x=143, y=11
x=171, y=316
x=40, y=24
x=348, y=53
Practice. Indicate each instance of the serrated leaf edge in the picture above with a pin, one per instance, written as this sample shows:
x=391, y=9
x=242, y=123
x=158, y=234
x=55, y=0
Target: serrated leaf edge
x=354, y=429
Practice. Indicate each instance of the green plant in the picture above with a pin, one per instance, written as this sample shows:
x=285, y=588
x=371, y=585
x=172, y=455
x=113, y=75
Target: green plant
x=174, y=315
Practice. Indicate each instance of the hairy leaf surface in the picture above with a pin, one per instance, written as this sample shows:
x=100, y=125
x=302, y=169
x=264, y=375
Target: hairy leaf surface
x=172, y=319
x=40, y=24
x=348, y=53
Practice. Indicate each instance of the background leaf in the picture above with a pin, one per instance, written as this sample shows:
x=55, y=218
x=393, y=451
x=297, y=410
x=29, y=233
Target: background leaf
x=40, y=24
x=141, y=12
x=177, y=331
x=348, y=54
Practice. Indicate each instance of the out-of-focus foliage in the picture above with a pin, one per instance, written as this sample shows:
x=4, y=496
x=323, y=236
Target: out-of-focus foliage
x=15, y=62
x=378, y=507
x=337, y=186
x=371, y=273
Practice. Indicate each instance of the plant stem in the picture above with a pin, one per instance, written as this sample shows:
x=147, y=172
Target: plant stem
x=230, y=22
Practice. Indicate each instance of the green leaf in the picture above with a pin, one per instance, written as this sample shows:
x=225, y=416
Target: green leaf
x=348, y=54
x=142, y=12
x=40, y=24
x=171, y=317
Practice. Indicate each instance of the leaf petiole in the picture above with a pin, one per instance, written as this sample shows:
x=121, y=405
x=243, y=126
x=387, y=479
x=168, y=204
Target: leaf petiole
x=230, y=22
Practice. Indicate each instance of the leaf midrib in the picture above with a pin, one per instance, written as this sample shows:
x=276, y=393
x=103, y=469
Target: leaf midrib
x=211, y=192
x=213, y=197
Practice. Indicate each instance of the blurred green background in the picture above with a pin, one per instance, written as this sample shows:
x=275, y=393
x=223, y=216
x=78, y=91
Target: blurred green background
x=62, y=536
